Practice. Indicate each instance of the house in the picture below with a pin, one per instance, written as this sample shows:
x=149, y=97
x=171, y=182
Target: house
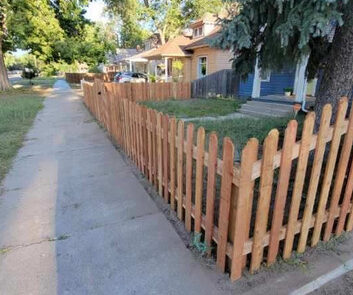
x=139, y=63
x=190, y=56
x=117, y=61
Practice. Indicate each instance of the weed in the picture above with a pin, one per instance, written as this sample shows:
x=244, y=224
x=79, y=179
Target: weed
x=200, y=246
x=4, y=250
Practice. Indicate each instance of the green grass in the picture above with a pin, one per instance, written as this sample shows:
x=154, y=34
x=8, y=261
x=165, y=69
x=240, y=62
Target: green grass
x=18, y=108
x=242, y=129
x=40, y=82
x=193, y=108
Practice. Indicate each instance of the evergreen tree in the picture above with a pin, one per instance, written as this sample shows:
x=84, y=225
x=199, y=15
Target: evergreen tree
x=282, y=32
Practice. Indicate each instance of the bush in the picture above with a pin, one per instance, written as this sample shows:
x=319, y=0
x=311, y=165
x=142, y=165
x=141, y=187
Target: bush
x=29, y=73
x=95, y=69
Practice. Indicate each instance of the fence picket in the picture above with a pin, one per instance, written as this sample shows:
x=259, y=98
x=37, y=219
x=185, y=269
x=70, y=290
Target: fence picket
x=330, y=167
x=298, y=183
x=315, y=175
x=154, y=148
x=188, y=173
x=199, y=178
x=263, y=206
x=172, y=123
x=159, y=154
x=244, y=202
x=165, y=122
x=348, y=195
x=180, y=169
x=282, y=189
x=339, y=179
x=149, y=139
x=224, y=206
x=211, y=188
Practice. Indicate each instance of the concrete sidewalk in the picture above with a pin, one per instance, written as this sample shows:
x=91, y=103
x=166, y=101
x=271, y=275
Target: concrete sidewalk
x=75, y=220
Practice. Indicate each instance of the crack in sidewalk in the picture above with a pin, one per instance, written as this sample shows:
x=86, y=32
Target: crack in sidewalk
x=54, y=239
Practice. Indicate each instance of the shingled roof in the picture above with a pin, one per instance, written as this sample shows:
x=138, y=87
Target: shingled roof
x=173, y=48
x=204, y=41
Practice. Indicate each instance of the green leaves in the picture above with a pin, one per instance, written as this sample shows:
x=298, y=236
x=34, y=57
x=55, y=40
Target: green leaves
x=284, y=30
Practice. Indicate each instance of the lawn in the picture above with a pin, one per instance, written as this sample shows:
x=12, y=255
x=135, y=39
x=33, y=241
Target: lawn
x=18, y=108
x=193, y=108
x=38, y=82
x=241, y=129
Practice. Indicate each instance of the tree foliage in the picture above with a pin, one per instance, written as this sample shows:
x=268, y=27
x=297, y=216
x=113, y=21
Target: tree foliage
x=166, y=17
x=280, y=32
x=55, y=32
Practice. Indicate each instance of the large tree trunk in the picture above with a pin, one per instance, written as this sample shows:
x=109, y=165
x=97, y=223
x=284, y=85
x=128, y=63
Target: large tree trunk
x=337, y=80
x=4, y=79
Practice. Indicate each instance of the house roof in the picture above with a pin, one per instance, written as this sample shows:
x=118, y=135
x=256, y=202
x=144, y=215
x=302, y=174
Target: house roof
x=204, y=41
x=173, y=48
x=140, y=57
x=207, y=18
x=123, y=53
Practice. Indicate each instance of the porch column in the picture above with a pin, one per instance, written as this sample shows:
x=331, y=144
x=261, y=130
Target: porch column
x=130, y=65
x=256, y=86
x=300, y=82
x=166, y=68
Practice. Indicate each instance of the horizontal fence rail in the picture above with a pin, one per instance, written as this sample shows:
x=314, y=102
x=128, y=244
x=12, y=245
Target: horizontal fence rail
x=274, y=202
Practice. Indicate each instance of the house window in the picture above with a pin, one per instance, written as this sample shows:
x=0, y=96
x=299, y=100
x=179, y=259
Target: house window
x=202, y=66
x=265, y=76
x=198, y=32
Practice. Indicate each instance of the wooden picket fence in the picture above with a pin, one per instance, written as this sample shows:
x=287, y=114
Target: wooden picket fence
x=270, y=204
x=150, y=91
x=77, y=77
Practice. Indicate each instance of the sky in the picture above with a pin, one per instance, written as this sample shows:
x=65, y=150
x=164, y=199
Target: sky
x=95, y=11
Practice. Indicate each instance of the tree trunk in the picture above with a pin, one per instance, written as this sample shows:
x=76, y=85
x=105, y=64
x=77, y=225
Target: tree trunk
x=161, y=35
x=337, y=80
x=4, y=80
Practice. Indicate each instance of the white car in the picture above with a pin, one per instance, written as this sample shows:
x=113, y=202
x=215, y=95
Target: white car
x=130, y=77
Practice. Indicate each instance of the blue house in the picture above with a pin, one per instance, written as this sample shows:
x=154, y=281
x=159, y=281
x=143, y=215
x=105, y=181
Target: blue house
x=264, y=85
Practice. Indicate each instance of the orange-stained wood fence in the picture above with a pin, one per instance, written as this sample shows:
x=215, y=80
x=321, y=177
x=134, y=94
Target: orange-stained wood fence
x=77, y=77
x=150, y=91
x=275, y=201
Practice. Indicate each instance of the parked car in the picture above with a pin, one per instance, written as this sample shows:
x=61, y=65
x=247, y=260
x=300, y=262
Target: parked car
x=130, y=77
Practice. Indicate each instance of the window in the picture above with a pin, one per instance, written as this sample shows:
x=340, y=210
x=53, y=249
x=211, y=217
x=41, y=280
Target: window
x=265, y=76
x=198, y=32
x=202, y=66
